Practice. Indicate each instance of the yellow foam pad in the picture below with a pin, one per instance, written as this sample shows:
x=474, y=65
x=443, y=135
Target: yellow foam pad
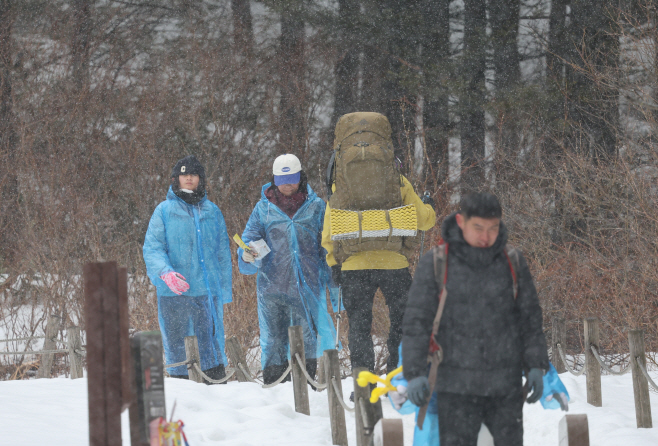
x=345, y=224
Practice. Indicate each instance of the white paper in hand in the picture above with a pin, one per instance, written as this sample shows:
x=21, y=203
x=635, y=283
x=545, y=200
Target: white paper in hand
x=260, y=247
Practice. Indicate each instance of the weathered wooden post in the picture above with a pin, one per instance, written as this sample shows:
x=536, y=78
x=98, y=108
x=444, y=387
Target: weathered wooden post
x=321, y=374
x=74, y=344
x=574, y=431
x=236, y=355
x=46, y=365
x=559, y=335
x=192, y=355
x=127, y=368
x=148, y=385
x=101, y=286
x=299, y=383
x=366, y=413
x=592, y=367
x=336, y=411
x=388, y=432
x=640, y=383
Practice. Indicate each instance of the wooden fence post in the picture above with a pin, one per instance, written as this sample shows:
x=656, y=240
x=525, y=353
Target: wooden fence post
x=236, y=355
x=593, y=369
x=321, y=372
x=148, y=385
x=46, y=364
x=366, y=413
x=574, y=431
x=559, y=335
x=127, y=368
x=192, y=355
x=299, y=384
x=388, y=432
x=640, y=383
x=101, y=289
x=336, y=411
x=74, y=345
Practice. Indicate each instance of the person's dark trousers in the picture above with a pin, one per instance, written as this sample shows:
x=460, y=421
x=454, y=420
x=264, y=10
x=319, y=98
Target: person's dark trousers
x=215, y=373
x=359, y=288
x=460, y=418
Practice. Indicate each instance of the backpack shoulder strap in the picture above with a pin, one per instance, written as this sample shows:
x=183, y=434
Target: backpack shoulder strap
x=440, y=254
x=512, y=255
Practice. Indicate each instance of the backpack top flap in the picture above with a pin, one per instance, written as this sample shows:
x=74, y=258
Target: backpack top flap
x=362, y=122
x=365, y=173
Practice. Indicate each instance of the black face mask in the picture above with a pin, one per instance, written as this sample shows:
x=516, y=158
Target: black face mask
x=193, y=198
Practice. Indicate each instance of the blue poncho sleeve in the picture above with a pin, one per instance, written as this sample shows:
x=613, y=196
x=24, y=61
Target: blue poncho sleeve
x=225, y=262
x=155, y=247
x=253, y=231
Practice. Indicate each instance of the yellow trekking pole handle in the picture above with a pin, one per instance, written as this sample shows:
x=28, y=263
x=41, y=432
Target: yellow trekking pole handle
x=366, y=378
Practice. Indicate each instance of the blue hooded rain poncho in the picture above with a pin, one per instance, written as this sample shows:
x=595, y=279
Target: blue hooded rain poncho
x=292, y=279
x=190, y=240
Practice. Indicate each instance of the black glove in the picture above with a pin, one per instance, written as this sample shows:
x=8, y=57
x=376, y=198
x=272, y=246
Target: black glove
x=336, y=273
x=535, y=382
x=418, y=390
x=427, y=199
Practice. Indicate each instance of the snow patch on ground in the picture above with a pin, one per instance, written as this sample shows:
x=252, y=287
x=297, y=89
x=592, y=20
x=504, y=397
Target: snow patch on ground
x=54, y=411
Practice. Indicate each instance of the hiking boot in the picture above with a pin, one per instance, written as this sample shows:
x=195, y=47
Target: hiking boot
x=216, y=373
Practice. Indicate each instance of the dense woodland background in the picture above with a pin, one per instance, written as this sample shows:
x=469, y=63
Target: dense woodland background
x=550, y=104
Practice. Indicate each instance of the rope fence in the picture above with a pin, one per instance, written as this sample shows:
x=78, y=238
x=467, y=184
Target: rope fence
x=594, y=364
x=23, y=339
x=74, y=349
x=339, y=396
x=566, y=364
x=605, y=367
x=646, y=374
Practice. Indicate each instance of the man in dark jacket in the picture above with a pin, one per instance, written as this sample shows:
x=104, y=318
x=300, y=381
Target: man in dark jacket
x=488, y=336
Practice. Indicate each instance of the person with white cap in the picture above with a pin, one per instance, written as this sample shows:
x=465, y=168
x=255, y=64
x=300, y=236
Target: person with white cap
x=292, y=278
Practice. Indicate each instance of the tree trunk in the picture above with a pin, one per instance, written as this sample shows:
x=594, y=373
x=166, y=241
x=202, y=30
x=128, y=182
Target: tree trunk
x=435, y=56
x=472, y=97
x=9, y=215
x=80, y=43
x=593, y=106
x=504, y=17
x=291, y=71
x=243, y=32
x=347, y=67
x=401, y=26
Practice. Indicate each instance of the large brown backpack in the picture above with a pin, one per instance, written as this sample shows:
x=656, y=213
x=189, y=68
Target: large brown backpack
x=366, y=177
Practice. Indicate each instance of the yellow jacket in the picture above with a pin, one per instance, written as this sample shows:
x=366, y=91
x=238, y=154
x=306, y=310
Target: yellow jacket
x=380, y=259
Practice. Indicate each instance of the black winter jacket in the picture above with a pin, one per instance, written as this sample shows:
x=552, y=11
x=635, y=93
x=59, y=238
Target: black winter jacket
x=487, y=337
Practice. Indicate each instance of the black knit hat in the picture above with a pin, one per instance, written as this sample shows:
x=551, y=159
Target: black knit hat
x=188, y=166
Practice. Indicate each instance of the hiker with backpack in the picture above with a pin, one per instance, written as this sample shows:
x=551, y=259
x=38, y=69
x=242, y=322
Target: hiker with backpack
x=293, y=276
x=473, y=306
x=372, y=226
x=188, y=259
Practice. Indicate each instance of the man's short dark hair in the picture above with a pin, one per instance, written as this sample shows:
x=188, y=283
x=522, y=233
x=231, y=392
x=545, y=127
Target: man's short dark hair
x=481, y=204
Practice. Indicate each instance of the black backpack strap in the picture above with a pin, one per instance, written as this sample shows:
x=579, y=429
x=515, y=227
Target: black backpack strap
x=512, y=255
x=440, y=254
x=330, y=174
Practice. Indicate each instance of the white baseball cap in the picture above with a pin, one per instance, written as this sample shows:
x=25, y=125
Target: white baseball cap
x=286, y=169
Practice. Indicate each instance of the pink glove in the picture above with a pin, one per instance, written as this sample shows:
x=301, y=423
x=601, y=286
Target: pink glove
x=176, y=282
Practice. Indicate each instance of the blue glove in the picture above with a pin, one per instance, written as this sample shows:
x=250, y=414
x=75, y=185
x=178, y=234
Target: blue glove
x=418, y=390
x=535, y=382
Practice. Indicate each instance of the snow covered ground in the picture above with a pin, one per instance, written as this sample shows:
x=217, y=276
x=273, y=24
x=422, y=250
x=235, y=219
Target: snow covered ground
x=54, y=412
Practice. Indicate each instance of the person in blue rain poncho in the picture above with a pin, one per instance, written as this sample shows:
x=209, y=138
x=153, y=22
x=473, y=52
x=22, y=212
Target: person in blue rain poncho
x=188, y=259
x=293, y=277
